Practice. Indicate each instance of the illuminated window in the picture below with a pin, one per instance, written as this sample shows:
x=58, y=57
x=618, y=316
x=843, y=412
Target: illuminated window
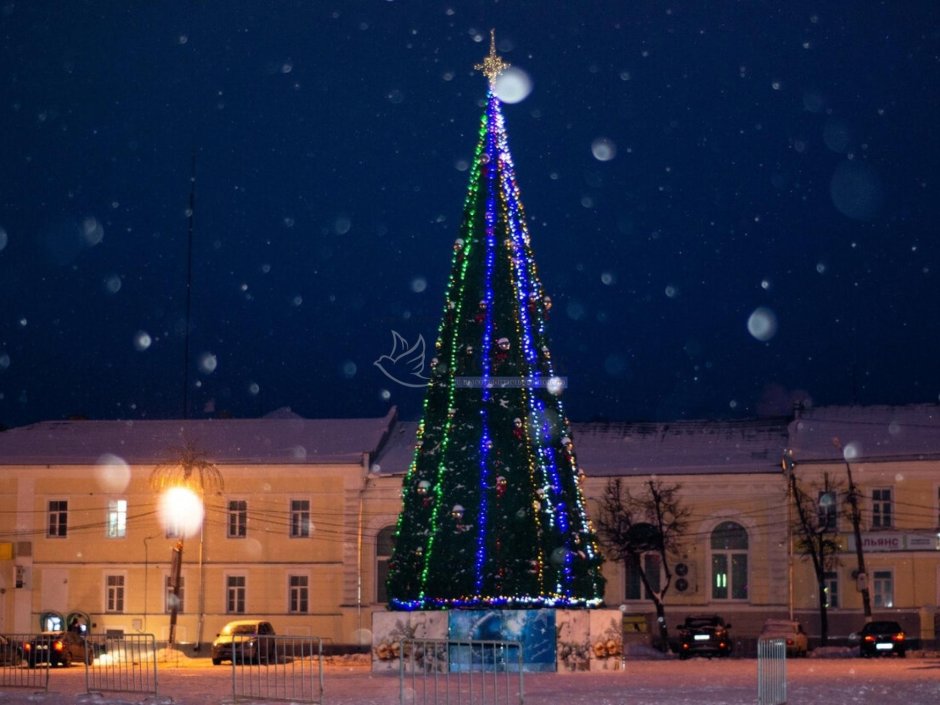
x=58, y=524
x=883, y=584
x=881, y=508
x=300, y=518
x=117, y=518
x=237, y=519
x=114, y=599
x=299, y=598
x=729, y=562
x=827, y=506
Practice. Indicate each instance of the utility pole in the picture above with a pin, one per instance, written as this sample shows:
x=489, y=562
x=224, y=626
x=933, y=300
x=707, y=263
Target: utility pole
x=787, y=463
x=175, y=578
x=861, y=582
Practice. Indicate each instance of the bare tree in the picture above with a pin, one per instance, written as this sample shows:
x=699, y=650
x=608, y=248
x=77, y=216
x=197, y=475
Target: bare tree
x=188, y=467
x=632, y=525
x=817, y=537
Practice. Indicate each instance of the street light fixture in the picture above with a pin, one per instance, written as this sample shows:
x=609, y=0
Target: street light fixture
x=181, y=511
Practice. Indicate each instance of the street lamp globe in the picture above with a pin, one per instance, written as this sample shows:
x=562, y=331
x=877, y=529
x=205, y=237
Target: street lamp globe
x=181, y=511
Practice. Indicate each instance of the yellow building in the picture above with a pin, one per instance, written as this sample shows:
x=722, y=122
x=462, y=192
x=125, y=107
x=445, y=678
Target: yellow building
x=301, y=532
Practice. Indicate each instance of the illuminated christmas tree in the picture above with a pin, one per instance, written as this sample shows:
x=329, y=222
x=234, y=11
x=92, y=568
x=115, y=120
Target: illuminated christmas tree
x=493, y=512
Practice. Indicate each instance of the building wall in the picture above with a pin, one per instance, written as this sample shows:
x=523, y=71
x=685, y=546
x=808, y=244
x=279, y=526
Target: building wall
x=757, y=503
x=70, y=574
x=908, y=549
x=349, y=509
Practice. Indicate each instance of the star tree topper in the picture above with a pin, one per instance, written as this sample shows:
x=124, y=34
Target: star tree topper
x=493, y=64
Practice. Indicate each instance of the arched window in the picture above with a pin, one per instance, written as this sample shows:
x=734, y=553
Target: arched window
x=729, y=562
x=384, y=543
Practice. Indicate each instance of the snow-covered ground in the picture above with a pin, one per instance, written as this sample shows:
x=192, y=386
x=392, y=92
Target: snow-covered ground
x=348, y=681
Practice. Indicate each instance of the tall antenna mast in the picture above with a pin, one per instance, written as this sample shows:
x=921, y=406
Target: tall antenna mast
x=191, y=215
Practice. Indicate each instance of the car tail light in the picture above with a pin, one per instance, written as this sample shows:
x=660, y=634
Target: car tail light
x=789, y=642
x=869, y=638
x=58, y=645
x=899, y=636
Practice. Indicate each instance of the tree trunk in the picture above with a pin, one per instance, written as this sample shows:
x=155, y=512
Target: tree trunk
x=661, y=621
x=823, y=615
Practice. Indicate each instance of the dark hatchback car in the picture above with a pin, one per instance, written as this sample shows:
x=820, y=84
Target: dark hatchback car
x=245, y=641
x=882, y=639
x=57, y=649
x=704, y=635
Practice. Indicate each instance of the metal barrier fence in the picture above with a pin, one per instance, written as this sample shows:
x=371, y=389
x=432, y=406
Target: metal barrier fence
x=125, y=663
x=278, y=668
x=14, y=672
x=771, y=672
x=454, y=672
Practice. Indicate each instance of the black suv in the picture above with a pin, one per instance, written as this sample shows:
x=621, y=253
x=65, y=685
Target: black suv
x=704, y=634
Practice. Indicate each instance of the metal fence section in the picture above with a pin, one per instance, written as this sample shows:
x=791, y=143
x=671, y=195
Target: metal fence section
x=771, y=672
x=121, y=663
x=14, y=672
x=454, y=672
x=278, y=668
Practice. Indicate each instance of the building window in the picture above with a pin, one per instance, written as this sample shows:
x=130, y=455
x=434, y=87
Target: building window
x=58, y=526
x=384, y=545
x=170, y=599
x=117, y=518
x=827, y=510
x=729, y=562
x=235, y=594
x=237, y=519
x=881, y=508
x=299, y=518
x=633, y=583
x=831, y=586
x=114, y=599
x=883, y=584
x=299, y=599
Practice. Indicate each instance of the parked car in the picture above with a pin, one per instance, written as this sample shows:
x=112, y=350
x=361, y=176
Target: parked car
x=11, y=652
x=57, y=649
x=245, y=641
x=792, y=631
x=706, y=635
x=882, y=638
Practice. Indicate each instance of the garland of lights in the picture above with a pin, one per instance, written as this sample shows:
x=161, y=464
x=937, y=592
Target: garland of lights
x=439, y=471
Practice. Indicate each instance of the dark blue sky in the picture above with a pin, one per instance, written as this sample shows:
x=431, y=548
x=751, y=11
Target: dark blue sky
x=771, y=157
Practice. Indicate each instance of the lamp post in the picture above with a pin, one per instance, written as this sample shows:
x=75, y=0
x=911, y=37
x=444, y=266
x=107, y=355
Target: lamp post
x=182, y=512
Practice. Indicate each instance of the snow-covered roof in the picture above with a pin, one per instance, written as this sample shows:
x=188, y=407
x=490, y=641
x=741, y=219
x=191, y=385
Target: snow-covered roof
x=683, y=447
x=866, y=433
x=680, y=447
x=282, y=437
x=603, y=449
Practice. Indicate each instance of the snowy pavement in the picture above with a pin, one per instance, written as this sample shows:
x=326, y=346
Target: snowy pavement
x=848, y=681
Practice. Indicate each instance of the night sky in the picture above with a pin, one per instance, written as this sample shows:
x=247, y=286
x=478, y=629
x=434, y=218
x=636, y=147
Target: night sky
x=733, y=205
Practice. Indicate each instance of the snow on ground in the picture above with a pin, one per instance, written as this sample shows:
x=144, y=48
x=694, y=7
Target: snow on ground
x=348, y=681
